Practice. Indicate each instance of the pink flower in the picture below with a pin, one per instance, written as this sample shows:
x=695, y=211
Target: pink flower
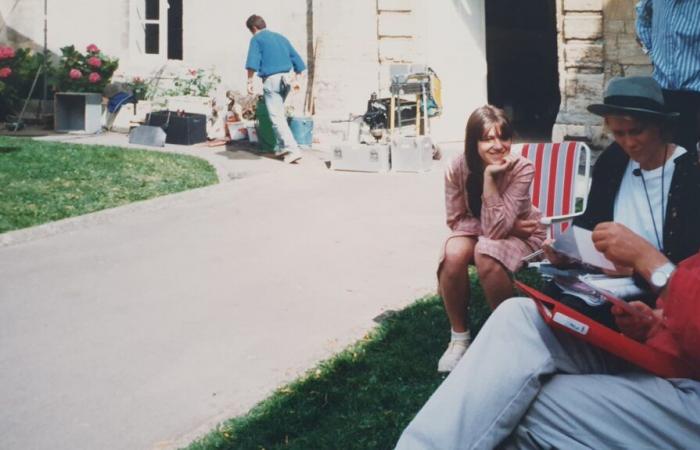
x=7, y=52
x=193, y=72
x=5, y=72
x=92, y=48
x=94, y=61
x=75, y=74
x=94, y=77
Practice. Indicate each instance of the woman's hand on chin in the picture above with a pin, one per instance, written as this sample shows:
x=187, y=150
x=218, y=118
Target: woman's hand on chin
x=505, y=165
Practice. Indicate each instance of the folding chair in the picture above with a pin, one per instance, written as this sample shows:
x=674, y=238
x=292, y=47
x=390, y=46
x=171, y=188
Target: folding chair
x=554, y=186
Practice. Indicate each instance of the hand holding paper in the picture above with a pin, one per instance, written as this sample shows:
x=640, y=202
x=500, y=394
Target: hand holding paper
x=577, y=243
x=619, y=244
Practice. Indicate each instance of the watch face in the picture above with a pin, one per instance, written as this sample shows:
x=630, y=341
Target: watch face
x=658, y=279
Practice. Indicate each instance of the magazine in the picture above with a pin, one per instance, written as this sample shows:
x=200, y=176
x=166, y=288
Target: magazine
x=591, y=294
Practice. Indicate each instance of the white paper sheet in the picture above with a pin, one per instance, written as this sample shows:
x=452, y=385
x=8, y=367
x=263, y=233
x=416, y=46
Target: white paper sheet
x=577, y=243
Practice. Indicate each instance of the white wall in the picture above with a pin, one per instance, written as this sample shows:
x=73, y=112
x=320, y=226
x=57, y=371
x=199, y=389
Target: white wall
x=347, y=64
x=450, y=37
x=216, y=35
x=76, y=22
x=454, y=38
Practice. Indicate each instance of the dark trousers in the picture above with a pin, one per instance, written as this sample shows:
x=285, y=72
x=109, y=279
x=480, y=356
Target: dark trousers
x=687, y=103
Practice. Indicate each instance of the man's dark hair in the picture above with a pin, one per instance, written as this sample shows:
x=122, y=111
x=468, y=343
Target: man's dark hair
x=255, y=21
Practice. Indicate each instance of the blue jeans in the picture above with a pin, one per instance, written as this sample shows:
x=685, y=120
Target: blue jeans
x=275, y=90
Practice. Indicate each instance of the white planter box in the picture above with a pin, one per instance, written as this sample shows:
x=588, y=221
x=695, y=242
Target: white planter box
x=190, y=104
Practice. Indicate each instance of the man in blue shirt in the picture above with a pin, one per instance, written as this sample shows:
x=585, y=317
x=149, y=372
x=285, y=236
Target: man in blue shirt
x=272, y=56
x=669, y=31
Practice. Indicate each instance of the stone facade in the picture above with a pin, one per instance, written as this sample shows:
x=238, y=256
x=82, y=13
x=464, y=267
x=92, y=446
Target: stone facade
x=596, y=42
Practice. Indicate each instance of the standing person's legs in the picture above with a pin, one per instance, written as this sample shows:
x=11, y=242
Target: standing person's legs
x=687, y=103
x=483, y=399
x=272, y=93
x=632, y=410
x=453, y=278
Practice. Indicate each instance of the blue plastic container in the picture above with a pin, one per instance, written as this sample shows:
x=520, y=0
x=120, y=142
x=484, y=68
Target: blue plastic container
x=302, y=130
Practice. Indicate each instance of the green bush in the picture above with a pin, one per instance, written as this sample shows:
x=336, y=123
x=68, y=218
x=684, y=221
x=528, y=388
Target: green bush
x=18, y=68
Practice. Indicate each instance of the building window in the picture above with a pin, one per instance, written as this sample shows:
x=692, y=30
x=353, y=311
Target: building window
x=160, y=28
x=174, y=29
x=151, y=27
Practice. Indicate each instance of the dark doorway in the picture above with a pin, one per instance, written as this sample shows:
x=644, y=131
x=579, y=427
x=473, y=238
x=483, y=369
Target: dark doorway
x=521, y=53
x=175, y=29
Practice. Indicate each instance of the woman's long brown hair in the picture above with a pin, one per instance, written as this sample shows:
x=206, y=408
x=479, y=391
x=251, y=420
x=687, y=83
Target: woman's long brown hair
x=479, y=122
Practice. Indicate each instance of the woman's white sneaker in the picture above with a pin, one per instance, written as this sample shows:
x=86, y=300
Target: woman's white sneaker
x=455, y=351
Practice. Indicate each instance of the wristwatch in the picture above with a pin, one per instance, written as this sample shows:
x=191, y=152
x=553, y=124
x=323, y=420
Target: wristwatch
x=661, y=275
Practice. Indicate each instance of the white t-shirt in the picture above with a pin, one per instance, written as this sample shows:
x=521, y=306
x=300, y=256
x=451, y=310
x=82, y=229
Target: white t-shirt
x=632, y=206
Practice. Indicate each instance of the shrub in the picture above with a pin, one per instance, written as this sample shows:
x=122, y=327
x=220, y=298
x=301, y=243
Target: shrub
x=197, y=82
x=85, y=72
x=18, y=68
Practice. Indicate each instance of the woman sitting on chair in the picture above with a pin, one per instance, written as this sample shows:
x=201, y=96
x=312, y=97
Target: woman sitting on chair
x=493, y=222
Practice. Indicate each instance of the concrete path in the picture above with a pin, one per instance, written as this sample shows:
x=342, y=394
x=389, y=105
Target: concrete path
x=144, y=326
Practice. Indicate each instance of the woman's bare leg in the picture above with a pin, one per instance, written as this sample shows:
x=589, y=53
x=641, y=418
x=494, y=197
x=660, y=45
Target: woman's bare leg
x=454, y=280
x=494, y=278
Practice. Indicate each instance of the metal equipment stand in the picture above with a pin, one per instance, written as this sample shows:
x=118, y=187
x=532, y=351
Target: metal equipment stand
x=418, y=85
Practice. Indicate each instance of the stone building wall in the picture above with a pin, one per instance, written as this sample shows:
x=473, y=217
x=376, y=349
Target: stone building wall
x=596, y=42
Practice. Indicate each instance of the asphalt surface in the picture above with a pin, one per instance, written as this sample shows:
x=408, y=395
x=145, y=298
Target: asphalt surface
x=142, y=327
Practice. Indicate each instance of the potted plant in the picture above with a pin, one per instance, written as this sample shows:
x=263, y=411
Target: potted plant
x=191, y=91
x=81, y=79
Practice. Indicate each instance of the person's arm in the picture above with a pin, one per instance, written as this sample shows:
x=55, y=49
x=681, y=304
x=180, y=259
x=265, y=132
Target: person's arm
x=297, y=64
x=294, y=56
x=249, y=83
x=627, y=249
x=252, y=63
x=681, y=307
x=643, y=24
x=458, y=217
x=500, y=210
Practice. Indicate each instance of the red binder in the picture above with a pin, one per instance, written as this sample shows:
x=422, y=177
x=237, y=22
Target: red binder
x=561, y=317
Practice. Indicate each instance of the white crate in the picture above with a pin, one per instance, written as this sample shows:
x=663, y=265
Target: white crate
x=361, y=157
x=411, y=154
x=190, y=104
x=237, y=131
x=77, y=112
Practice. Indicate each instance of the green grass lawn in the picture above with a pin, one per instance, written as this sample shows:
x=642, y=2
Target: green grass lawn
x=45, y=181
x=363, y=397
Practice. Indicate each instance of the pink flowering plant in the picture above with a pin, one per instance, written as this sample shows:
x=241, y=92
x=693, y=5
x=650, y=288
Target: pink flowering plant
x=90, y=71
x=18, y=67
x=198, y=82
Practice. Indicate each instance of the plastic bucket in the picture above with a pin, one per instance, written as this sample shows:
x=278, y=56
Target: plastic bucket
x=302, y=130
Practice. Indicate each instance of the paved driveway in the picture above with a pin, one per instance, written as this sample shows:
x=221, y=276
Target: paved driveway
x=142, y=327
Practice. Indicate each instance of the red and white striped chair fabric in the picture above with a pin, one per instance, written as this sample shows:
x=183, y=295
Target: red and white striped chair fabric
x=554, y=186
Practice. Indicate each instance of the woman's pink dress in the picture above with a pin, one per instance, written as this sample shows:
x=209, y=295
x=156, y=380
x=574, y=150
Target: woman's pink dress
x=498, y=213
